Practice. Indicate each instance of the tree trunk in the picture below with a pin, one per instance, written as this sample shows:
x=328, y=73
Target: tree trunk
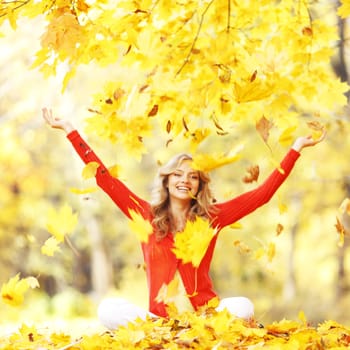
x=342, y=285
x=101, y=267
x=290, y=283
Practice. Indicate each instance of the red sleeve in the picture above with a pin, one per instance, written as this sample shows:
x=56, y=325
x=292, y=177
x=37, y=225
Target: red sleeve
x=122, y=196
x=236, y=208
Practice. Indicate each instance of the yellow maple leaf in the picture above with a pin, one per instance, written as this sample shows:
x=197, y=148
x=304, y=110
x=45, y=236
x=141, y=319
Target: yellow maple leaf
x=253, y=90
x=12, y=292
x=277, y=165
x=61, y=222
x=282, y=207
x=345, y=206
x=89, y=170
x=236, y=225
x=168, y=292
x=114, y=170
x=83, y=190
x=208, y=162
x=242, y=247
x=271, y=251
x=191, y=244
x=50, y=247
x=259, y=253
x=140, y=226
x=344, y=10
x=268, y=251
x=302, y=317
x=286, y=136
x=341, y=230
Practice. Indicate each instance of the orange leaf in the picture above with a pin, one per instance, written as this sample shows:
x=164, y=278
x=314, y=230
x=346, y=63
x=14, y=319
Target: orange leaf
x=254, y=172
x=279, y=229
x=153, y=111
x=263, y=127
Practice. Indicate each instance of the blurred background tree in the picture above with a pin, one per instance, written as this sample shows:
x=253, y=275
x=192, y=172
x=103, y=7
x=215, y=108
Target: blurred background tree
x=309, y=270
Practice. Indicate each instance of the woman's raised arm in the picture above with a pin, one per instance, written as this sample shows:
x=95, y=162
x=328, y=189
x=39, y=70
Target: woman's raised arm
x=117, y=190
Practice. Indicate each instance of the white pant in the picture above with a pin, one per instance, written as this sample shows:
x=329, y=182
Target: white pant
x=115, y=312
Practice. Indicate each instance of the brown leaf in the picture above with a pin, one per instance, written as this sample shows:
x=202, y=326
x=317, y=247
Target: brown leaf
x=153, y=111
x=128, y=50
x=307, y=31
x=184, y=124
x=315, y=125
x=118, y=93
x=253, y=175
x=218, y=126
x=263, y=127
x=253, y=77
x=279, y=229
x=168, y=126
x=339, y=226
x=143, y=88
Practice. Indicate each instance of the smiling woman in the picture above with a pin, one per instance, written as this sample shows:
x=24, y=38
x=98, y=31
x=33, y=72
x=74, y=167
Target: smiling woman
x=181, y=199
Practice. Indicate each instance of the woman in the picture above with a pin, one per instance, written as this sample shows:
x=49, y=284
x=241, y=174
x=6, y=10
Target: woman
x=182, y=193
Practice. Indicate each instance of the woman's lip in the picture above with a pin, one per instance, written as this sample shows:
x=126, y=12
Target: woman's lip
x=183, y=188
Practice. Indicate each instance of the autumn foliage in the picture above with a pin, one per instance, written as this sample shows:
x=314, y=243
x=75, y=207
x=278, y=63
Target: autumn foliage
x=206, y=330
x=199, y=69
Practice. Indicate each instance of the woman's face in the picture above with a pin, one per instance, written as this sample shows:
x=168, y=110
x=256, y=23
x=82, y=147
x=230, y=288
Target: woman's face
x=183, y=182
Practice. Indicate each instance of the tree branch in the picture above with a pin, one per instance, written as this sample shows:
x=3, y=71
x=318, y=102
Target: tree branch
x=195, y=39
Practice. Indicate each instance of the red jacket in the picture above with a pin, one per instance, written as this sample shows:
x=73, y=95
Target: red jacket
x=161, y=263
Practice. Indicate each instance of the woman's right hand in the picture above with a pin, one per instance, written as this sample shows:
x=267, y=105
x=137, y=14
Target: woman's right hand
x=56, y=123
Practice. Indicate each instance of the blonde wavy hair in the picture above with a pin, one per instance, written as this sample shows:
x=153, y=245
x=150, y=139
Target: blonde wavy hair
x=201, y=205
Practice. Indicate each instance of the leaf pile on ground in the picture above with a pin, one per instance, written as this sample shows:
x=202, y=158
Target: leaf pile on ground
x=207, y=330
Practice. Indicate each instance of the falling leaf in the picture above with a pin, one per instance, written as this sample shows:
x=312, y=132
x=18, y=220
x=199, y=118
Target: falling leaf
x=61, y=222
x=141, y=227
x=84, y=190
x=208, y=162
x=268, y=251
x=344, y=10
x=302, y=317
x=236, y=225
x=263, y=126
x=168, y=292
x=90, y=170
x=51, y=246
x=282, y=207
x=242, y=247
x=118, y=93
x=253, y=174
x=279, y=229
x=271, y=251
x=191, y=244
x=307, y=31
x=318, y=129
x=168, y=126
x=33, y=282
x=341, y=230
x=153, y=111
x=259, y=253
x=114, y=170
x=253, y=76
x=344, y=207
x=13, y=291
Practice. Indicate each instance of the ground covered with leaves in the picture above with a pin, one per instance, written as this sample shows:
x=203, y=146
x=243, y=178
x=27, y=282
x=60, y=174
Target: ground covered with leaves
x=209, y=330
